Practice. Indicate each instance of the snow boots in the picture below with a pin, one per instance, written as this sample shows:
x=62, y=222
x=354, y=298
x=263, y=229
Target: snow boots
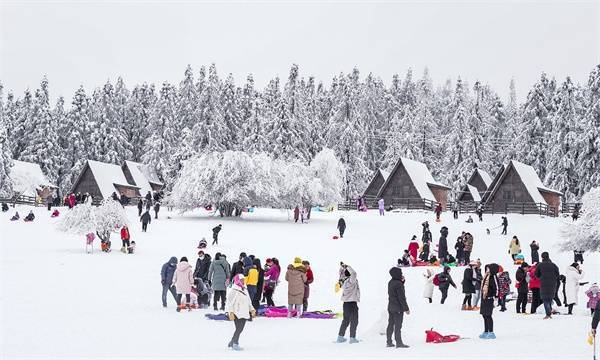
x=340, y=339
x=236, y=347
x=487, y=336
x=353, y=341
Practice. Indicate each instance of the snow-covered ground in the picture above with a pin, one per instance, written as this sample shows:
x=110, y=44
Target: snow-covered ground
x=59, y=302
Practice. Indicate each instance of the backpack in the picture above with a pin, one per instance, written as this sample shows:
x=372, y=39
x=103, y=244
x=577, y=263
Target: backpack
x=436, y=280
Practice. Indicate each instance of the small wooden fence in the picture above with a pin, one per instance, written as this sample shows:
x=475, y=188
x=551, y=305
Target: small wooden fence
x=396, y=203
x=21, y=200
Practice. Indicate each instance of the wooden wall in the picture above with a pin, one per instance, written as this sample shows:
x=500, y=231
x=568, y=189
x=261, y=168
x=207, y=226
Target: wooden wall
x=552, y=199
x=375, y=185
x=478, y=182
x=399, y=185
x=87, y=184
x=441, y=195
x=510, y=190
x=127, y=174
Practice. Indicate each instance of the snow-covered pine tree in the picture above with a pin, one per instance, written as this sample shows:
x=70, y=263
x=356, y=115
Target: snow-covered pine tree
x=584, y=234
x=251, y=112
x=41, y=141
x=5, y=152
x=187, y=104
x=403, y=139
x=230, y=114
x=371, y=117
x=21, y=124
x=209, y=132
x=477, y=150
x=121, y=106
x=588, y=169
x=140, y=107
x=59, y=117
x=158, y=147
x=563, y=148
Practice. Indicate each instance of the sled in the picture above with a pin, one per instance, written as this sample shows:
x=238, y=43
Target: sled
x=437, y=338
x=335, y=237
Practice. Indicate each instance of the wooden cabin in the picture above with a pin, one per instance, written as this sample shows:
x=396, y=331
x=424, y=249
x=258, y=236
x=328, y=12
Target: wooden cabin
x=141, y=176
x=29, y=180
x=519, y=189
x=476, y=187
x=101, y=180
x=411, y=185
x=376, y=183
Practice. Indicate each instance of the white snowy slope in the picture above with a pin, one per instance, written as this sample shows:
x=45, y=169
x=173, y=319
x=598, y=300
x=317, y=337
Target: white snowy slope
x=57, y=302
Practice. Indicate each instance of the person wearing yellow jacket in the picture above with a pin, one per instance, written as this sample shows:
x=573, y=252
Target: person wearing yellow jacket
x=252, y=281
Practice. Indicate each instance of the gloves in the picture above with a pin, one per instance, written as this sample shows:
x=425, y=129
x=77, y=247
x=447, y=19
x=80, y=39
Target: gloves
x=231, y=316
x=253, y=313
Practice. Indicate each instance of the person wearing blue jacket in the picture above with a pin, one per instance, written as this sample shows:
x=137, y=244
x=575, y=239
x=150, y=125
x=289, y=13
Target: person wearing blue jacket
x=166, y=279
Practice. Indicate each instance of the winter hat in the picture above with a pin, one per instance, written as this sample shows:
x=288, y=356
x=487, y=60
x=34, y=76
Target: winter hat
x=247, y=262
x=239, y=280
x=268, y=261
x=200, y=253
x=183, y=259
x=575, y=265
x=545, y=256
x=297, y=262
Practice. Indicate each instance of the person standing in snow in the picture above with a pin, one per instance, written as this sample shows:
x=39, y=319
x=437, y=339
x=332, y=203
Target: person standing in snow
x=548, y=274
x=303, y=215
x=489, y=291
x=183, y=280
x=259, y=284
x=239, y=309
x=504, y=225
x=455, y=210
x=238, y=266
x=140, y=206
x=468, y=243
x=503, y=289
x=296, y=214
x=426, y=239
x=156, y=209
x=534, y=286
x=578, y=256
x=148, y=198
x=595, y=321
x=397, y=307
x=215, y=232
x=443, y=245
x=218, y=273
x=459, y=246
x=438, y=212
x=428, y=289
x=381, y=206
x=535, y=247
x=145, y=219
x=309, y=280
x=573, y=275
x=480, y=212
x=201, y=275
x=413, y=248
x=125, y=236
x=341, y=226
x=350, y=297
x=166, y=279
x=514, y=248
x=296, y=278
x=272, y=278
x=477, y=278
x=251, y=279
x=49, y=201
x=522, y=287
x=468, y=287
x=445, y=280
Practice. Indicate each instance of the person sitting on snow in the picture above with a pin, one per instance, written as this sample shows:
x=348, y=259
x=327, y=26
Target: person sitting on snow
x=4, y=207
x=202, y=244
x=15, y=217
x=470, y=219
x=29, y=217
x=55, y=213
x=405, y=260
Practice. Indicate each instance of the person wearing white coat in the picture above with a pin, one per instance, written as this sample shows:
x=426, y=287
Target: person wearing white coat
x=573, y=276
x=428, y=290
x=239, y=309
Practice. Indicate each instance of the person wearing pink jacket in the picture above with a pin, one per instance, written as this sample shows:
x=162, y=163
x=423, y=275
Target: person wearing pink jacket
x=271, y=279
x=183, y=279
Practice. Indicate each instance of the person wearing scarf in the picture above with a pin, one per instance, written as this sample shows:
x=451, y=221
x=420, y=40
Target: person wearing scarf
x=489, y=290
x=239, y=309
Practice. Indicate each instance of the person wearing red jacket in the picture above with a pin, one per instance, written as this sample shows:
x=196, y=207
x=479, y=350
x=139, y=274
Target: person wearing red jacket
x=413, y=248
x=534, y=286
x=125, y=238
x=309, y=279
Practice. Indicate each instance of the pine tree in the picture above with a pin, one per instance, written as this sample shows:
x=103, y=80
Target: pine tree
x=209, y=132
x=588, y=171
x=230, y=114
x=73, y=132
x=21, y=127
x=136, y=125
x=5, y=152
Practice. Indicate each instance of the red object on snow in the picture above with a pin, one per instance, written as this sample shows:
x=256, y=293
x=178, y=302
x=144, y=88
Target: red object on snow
x=437, y=338
x=335, y=237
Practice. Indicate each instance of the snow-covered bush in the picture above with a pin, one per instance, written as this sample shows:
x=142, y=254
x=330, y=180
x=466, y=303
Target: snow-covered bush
x=102, y=220
x=584, y=234
x=231, y=180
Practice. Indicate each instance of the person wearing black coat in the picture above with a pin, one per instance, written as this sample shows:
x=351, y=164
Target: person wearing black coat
x=445, y=280
x=216, y=231
x=397, y=306
x=148, y=198
x=595, y=321
x=504, y=225
x=443, y=245
x=146, y=219
x=489, y=291
x=166, y=279
x=535, y=247
x=259, y=284
x=522, y=288
x=548, y=274
x=202, y=266
x=341, y=226
x=238, y=266
x=468, y=288
x=156, y=209
x=140, y=206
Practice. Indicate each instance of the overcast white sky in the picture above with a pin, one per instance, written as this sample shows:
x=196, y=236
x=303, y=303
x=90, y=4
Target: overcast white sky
x=88, y=42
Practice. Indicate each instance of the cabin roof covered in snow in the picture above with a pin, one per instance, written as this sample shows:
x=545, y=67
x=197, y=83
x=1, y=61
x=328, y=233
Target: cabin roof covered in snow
x=487, y=179
x=27, y=177
x=107, y=176
x=385, y=174
x=474, y=193
x=142, y=176
x=419, y=175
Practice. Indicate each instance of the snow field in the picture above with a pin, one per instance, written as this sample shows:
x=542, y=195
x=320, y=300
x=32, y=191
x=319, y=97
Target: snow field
x=58, y=302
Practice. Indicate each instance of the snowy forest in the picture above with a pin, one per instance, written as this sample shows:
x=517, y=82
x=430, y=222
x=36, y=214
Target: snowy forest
x=451, y=126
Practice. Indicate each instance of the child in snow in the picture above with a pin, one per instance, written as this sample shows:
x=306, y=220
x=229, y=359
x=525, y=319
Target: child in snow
x=105, y=245
x=503, y=289
x=444, y=282
x=183, y=279
x=405, y=259
x=413, y=247
x=593, y=295
x=4, y=207
x=55, y=213
x=29, y=217
x=239, y=309
x=469, y=220
x=15, y=217
x=468, y=287
x=131, y=248
x=489, y=290
x=428, y=289
x=202, y=244
x=350, y=298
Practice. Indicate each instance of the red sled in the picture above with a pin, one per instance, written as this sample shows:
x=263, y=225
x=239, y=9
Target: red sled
x=437, y=338
x=335, y=237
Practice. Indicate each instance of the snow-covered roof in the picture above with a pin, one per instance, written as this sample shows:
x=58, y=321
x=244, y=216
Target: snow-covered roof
x=474, y=193
x=142, y=176
x=487, y=179
x=421, y=177
x=27, y=177
x=107, y=176
x=385, y=174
